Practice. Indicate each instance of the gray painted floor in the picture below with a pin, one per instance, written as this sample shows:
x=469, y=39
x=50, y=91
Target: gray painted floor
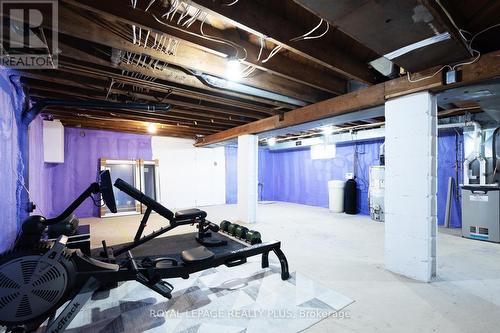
x=345, y=253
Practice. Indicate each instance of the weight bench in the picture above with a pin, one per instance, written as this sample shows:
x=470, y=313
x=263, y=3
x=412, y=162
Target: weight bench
x=182, y=217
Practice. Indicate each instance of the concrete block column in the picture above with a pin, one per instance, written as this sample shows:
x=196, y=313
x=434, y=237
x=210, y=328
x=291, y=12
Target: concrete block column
x=247, y=178
x=411, y=185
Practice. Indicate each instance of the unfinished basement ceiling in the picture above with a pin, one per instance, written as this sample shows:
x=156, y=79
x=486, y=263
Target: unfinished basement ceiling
x=387, y=26
x=176, y=52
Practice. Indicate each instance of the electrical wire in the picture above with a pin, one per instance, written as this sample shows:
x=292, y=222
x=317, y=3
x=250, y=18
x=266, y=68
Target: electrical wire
x=230, y=4
x=150, y=4
x=461, y=31
x=236, y=46
x=204, y=36
x=247, y=71
x=469, y=46
x=319, y=36
x=276, y=49
x=171, y=9
x=427, y=77
x=483, y=31
x=261, y=40
x=183, y=15
x=306, y=35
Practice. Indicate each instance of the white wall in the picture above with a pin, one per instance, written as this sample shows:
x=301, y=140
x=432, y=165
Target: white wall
x=189, y=176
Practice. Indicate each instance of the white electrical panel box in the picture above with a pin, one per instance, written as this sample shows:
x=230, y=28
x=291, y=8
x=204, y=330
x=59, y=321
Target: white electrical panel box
x=53, y=141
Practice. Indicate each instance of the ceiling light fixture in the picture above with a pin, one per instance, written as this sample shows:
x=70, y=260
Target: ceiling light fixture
x=233, y=69
x=327, y=130
x=152, y=128
x=271, y=141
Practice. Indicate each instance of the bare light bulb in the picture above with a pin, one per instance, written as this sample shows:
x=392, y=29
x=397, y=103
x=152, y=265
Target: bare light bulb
x=271, y=141
x=152, y=128
x=233, y=69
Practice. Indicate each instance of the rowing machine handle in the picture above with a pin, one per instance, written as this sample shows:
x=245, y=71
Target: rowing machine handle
x=235, y=262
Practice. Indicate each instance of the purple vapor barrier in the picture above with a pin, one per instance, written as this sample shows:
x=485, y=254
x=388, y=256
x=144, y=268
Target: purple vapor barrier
x=292, y=176
x=55, y=186
x=13, y=150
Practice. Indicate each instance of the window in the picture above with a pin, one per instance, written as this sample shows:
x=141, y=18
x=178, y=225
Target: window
x=143, y=175
x=129, y=172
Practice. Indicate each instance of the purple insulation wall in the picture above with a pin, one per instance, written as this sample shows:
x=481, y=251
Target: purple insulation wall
x=12, y=152
x=55, y=186
x=292, y=176
x=449, y=144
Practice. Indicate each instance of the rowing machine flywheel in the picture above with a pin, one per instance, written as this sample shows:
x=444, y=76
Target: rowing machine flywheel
x=28, y=293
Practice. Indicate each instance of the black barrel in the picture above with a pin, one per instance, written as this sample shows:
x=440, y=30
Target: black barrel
x=350, y=197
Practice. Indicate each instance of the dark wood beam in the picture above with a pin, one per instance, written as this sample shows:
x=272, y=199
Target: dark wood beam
x=255, y=18
x=279, y=65
x=131, y=127
x=96, y=82
x=72, y=23
x=175, y=114
x=97, y=73
x=168, y=74
x=126, y=114
x=439, y=14
x=487, y=68
x=37, y=90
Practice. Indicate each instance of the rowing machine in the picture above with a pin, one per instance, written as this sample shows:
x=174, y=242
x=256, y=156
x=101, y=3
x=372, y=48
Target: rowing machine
x=36, y=280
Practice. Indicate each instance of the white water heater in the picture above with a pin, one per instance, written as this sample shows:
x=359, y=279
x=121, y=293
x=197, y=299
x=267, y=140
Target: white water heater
x=376, y=192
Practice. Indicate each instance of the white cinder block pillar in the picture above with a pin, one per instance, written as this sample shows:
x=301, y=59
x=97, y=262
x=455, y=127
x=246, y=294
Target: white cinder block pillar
x=411, y=185
x=247, y=178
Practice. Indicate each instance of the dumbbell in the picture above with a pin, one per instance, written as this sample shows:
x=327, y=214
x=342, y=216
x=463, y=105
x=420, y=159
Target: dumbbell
x=224, y=225
x=241, y=231
x=253, y=237
x=232, y=228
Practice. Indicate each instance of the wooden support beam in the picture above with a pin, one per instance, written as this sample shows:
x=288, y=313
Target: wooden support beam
x=279, y=65
x=99, y=74
x=167, y=119
x=43, y=91
x=251, y=16
x=130, y=126
x=487, y=68
x=71, y=22
x=439, y=14
x=99, y=85
x=169, y=74
x=202, y=118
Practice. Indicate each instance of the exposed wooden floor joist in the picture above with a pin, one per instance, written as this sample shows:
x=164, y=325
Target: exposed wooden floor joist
x=488, y=67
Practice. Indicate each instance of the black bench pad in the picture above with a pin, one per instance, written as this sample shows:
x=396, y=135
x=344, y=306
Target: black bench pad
x=196, y=255
x=190, y=214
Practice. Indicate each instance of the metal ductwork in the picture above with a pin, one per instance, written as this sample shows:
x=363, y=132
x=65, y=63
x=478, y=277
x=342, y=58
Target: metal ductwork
x=216, y=82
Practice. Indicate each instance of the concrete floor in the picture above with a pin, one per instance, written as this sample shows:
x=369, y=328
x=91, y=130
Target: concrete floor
x=346, y=253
